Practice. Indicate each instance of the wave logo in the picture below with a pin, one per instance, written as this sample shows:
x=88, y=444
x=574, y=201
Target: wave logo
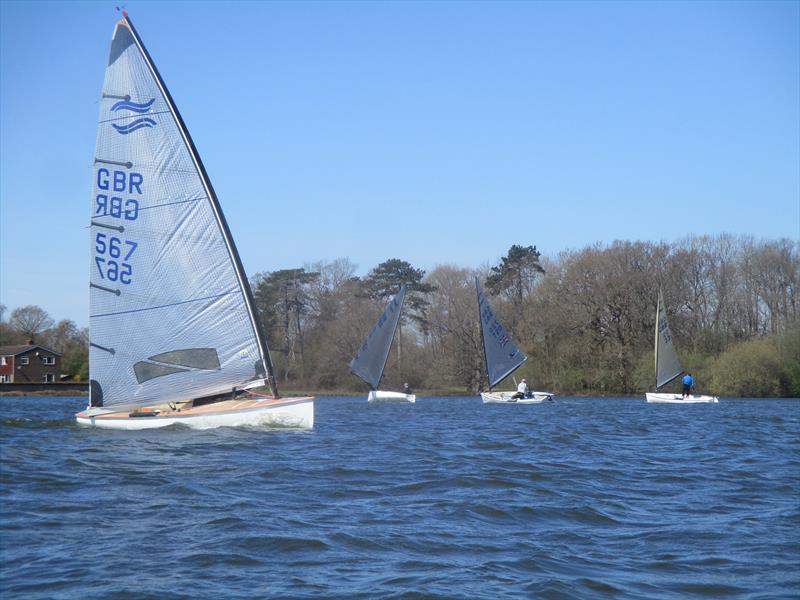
x=136, y=107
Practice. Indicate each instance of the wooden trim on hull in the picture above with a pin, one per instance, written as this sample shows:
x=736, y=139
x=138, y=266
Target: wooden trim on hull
x=282, y=412
x=679, y=399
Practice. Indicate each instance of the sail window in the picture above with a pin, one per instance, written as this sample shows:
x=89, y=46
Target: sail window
x=146, y=371
x=195, y=358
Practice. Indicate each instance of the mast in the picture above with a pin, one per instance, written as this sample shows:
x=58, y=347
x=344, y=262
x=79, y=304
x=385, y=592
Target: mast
x=658, y=314
x=220, y=217
x=483, y=341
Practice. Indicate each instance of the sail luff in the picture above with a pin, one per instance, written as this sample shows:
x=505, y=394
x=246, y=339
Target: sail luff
x=483, y=338
x=220, y=217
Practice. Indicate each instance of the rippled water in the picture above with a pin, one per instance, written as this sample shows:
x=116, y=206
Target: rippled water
x=447, y=498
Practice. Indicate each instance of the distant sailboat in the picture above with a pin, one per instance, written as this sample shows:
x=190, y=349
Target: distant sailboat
x=174, y=333
x=370, y=360
x=502, y=355
x=668, y=367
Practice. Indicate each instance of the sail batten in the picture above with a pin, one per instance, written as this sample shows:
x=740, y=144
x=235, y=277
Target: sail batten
x=501, y=354
x=369, y=362
x=175, y=279
x=668, y=366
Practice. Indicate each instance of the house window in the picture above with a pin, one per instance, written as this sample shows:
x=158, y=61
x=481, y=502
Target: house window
x=3, y=361
x=24, y=360
x=4, y=379
x=49, y=360
x=48, y=378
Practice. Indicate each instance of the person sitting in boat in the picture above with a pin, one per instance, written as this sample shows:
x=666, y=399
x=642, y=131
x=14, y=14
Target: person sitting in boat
x=688, y=385
x=522, y=390
x=407, y=389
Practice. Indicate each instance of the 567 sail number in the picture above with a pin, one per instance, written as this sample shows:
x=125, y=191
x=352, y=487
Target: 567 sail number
x=112, y=256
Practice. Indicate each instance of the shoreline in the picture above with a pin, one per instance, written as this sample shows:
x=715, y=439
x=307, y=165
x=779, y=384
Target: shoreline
x=17, y=392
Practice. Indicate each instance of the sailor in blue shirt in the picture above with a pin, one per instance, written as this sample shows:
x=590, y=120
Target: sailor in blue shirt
x=688, y=384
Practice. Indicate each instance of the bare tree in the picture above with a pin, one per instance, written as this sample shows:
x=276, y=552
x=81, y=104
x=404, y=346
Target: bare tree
x=30, y=320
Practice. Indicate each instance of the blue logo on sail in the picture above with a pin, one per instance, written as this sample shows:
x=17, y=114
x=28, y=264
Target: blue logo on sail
x=136, y=107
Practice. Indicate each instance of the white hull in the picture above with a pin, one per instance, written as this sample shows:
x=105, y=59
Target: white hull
x=506, y=397
x=381, y=396
x=679, y=399
x=284, y=412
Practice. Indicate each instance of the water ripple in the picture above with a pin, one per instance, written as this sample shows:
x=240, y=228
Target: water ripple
x=579, y=498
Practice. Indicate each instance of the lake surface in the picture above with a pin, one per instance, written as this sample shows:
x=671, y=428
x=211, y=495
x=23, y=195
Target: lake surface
x=448, y=498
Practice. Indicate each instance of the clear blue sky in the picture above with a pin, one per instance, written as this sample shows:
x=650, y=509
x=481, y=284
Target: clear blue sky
x=434, y=132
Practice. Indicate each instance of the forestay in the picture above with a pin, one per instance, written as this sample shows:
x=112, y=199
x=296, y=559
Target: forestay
x=502, y=354
x=370, y=360
x=171, y=313
x=668, y=367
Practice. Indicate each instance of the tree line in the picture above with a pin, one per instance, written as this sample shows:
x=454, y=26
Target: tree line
x=585, y=319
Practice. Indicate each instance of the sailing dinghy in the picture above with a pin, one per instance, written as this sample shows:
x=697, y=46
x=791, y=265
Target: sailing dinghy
x=502, y=356
x=668, y=367
x=174, y=333
x=370, y=360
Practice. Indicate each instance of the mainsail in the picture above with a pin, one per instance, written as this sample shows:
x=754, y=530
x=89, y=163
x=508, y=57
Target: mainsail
x=502, y=355
x=370, y=360
x=171, y=312
x=668, y=367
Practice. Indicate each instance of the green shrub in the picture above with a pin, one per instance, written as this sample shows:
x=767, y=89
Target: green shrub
x=752, y=368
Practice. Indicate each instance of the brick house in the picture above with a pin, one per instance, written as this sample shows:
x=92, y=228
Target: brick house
x=29, y=364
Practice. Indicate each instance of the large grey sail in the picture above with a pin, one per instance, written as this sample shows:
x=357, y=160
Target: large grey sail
x=668, y=367
x=502, y=355
x=370, y=360
x=171, y=315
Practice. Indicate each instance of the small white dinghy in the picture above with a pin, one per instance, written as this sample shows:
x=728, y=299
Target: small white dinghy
x=384, y=396
x=679, y=399
x=369, y=362
x=502, y=357
x=668, y=366
x=508, y=397
x=174, y=334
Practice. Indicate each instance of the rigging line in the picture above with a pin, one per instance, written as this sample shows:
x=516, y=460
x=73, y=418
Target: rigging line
x=149, y=167
x=173, y=203
x=134, y=116
x=136, y=310
x=121, y=229
x=105, y=289
x=144, y=167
